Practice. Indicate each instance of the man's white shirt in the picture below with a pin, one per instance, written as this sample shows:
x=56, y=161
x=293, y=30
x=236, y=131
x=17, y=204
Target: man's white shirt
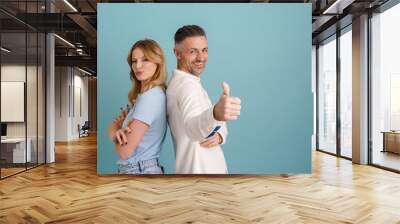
x=191, y=120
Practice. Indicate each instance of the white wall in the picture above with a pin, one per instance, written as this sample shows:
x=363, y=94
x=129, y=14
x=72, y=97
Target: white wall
x=12, y=73
x=15, y=72
x=70, y=83
x=80, y=89
x=61, y=103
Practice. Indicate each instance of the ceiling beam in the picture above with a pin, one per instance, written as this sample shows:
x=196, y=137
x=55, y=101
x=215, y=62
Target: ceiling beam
x=83, y=61
x=83, y=23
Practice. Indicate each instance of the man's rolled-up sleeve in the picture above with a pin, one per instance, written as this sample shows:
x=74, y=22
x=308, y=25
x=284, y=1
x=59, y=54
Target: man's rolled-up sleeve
x=198, y=116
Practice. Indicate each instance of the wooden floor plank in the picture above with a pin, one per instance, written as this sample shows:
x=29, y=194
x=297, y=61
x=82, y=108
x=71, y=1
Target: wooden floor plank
x=70, y=191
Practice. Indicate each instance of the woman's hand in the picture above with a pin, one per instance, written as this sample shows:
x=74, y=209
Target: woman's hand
x=211, y=142
x=131, y=136
x=120, y=136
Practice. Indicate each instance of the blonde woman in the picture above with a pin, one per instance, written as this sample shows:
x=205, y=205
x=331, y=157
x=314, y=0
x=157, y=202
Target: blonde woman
x=138, y=133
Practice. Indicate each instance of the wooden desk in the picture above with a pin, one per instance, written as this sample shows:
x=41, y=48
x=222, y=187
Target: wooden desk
x=391, y=141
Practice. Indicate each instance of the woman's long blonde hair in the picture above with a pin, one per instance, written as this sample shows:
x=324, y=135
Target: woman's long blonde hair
x=153, y=52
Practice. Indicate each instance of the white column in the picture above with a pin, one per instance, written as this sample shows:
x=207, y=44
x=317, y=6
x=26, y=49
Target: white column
x=50, y=93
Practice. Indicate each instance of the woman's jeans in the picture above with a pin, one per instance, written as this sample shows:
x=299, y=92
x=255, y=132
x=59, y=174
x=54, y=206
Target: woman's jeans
x=150, y=166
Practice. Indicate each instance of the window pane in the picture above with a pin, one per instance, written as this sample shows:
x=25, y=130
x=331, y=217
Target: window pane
x=385, y=88
x=346, y=94
x=327, y=96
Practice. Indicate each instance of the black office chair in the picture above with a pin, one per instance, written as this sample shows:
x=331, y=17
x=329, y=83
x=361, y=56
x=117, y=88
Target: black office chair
x=84, y=130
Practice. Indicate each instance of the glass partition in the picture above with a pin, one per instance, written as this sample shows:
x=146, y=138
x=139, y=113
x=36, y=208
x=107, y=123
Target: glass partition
x=13, y=103
x=22, y=89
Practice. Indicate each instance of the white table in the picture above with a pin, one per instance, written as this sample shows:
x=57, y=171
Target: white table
x=18, y=145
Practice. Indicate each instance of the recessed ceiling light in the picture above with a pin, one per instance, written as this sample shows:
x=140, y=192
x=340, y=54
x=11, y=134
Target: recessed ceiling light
x=71, y=6
x=5, y=49
x=84, y=71
x=338, y=6
x=64, y=40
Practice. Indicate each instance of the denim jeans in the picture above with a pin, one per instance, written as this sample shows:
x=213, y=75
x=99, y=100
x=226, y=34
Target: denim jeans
x=150, y=166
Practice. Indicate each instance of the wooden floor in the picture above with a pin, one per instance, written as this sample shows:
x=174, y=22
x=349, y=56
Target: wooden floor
x=69, y=191
x=5, y=172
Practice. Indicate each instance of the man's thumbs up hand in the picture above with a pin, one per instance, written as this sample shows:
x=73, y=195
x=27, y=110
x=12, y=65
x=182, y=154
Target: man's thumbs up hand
x=226, y=88
x=227, y=108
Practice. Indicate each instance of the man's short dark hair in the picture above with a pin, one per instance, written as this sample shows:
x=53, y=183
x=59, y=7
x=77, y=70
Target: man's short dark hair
x=188, y=31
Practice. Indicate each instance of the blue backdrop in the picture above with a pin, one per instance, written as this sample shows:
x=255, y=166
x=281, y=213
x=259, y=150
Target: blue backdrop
x=262, y=50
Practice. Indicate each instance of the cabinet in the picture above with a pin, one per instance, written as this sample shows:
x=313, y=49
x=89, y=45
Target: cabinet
x=391, y=142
